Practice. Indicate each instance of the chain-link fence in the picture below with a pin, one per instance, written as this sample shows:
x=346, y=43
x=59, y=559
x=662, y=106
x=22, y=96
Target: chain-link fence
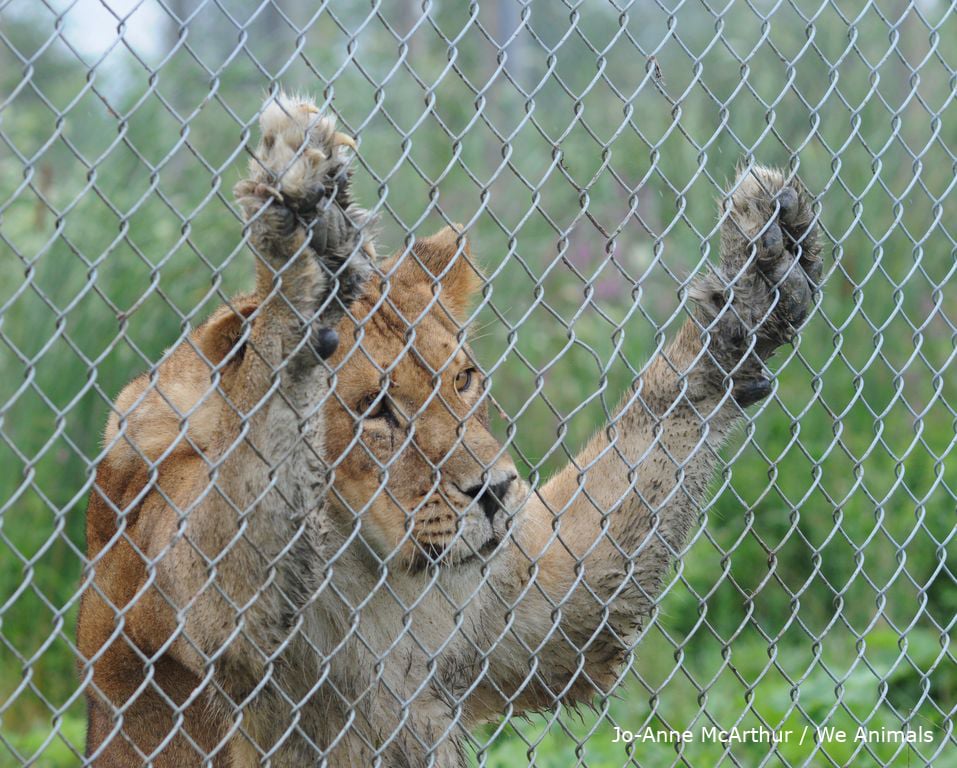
x=398, y=545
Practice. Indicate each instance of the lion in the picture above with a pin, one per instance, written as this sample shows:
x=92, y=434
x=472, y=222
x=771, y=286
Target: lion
x=306, y=546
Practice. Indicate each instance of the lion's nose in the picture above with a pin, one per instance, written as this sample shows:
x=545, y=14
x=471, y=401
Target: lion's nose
x=491, y=495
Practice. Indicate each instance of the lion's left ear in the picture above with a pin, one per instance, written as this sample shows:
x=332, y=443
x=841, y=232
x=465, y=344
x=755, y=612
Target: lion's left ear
x=444, y=258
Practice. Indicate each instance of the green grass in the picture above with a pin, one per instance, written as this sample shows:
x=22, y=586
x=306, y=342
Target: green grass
x=49, y=745
x=784, y=697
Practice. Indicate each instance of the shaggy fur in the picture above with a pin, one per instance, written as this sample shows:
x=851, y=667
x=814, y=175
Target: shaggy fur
x=241, y=610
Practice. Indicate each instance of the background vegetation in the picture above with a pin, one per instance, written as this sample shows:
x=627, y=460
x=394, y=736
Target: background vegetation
x=587, y=168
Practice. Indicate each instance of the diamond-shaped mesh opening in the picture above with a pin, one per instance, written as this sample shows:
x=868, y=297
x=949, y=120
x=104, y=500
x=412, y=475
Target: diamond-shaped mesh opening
x=355, y=571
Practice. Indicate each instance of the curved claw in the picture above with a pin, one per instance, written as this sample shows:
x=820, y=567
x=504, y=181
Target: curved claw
x=267, y=190
x=343, y=139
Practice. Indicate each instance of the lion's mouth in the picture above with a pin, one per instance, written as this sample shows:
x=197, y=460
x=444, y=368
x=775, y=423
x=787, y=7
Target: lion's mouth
x=432, y=555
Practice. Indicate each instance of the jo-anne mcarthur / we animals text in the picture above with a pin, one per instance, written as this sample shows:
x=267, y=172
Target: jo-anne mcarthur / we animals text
x=761, y=734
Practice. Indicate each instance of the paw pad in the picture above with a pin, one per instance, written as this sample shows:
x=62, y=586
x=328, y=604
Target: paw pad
x=770, y=260
x=297, y=198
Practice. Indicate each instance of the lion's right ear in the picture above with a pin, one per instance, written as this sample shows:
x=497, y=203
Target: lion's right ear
x=444, y=258
x=220, y=333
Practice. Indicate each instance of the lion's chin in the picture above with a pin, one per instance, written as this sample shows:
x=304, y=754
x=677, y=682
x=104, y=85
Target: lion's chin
x=426, y=557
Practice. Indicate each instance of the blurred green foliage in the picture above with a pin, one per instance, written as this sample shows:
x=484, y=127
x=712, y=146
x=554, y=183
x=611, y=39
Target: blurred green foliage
x=822, y=590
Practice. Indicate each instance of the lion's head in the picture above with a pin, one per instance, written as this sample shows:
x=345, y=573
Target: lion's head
x=407, y=426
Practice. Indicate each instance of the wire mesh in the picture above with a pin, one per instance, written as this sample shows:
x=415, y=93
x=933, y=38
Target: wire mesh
x=401, y=554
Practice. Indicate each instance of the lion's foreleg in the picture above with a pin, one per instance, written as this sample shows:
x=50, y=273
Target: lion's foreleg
x=604, y=532
x=253, y=544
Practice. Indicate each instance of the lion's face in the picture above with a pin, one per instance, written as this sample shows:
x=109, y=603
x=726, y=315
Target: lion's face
x=407, y=428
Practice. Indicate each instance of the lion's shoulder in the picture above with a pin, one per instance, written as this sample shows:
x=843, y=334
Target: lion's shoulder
x=165, y=422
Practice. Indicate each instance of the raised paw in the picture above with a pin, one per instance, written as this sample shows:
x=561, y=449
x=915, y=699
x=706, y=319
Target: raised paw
x=297, y=197
x=760, y=294
x=299, y=161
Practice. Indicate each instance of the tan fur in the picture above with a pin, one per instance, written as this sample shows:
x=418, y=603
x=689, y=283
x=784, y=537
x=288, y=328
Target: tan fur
x=428, y=589
x=410, y=487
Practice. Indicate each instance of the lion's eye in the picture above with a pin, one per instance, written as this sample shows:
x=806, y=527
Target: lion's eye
x=464, y=379
x=369, y=408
